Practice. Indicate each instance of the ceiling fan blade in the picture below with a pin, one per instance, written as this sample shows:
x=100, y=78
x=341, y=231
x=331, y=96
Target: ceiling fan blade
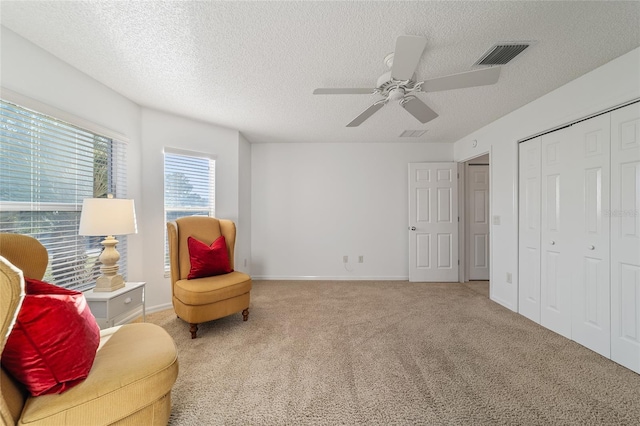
x=343, y=91
x=419, y=110
x=482, y=77
x=406, y=56
x=366, y=114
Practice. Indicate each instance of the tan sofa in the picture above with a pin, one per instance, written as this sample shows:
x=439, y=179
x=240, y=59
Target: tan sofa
x=205, y=299
x=131, y=379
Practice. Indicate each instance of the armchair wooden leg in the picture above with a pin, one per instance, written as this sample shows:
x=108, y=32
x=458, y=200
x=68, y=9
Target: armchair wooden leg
x=245, y=314
x=193, y=328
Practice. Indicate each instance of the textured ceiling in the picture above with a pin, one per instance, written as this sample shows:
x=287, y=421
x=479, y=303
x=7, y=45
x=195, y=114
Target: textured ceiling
x=252, y=66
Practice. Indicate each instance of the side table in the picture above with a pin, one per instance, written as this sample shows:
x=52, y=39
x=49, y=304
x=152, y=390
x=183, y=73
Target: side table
x=114, y=307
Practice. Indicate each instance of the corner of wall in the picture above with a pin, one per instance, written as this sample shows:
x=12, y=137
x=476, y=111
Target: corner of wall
x=243, y=252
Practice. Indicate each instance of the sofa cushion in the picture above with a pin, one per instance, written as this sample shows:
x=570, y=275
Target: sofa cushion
x=53, y=343
x=203, y=291
x=136, y=365
x=207, y=261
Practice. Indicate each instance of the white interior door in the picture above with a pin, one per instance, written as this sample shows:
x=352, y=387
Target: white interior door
x=625, y=236
x=477, y=208
x=433, y=222
x=529, y=230
x=555, y=226
x=591, y=325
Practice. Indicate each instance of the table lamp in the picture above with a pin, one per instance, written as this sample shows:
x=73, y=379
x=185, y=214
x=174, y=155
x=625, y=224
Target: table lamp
x=108, y=216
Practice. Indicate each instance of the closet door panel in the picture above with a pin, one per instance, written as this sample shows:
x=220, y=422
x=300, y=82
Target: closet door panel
x=555, y=276
x=625, y=236
x=529, y=230
x=590, y=242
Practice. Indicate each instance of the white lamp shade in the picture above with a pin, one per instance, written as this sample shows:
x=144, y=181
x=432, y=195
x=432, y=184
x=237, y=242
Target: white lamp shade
x=107, y=216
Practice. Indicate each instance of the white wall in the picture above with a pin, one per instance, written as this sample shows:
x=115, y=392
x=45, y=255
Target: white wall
x=314, y=203
x=30, y=71
x=160, y=130
x=613, y=83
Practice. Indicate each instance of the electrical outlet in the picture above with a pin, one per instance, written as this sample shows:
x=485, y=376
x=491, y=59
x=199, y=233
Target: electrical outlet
x=509, y=277
x=360, y=259
x=345, y=259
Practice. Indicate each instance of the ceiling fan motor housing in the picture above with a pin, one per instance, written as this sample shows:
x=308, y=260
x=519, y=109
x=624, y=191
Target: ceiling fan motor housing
x=386, y=85
x=396, y=94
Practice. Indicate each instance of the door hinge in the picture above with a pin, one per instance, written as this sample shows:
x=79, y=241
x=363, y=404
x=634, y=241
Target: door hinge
x=458, y=261
x=458, y=218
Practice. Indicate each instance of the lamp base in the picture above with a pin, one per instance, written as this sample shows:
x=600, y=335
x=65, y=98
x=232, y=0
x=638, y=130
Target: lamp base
x=109, y=283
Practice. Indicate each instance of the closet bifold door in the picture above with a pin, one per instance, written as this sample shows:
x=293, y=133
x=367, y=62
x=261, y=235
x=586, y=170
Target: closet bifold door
x=555, y=275
x=625, y=236
x=590, y=245
x=529, y=230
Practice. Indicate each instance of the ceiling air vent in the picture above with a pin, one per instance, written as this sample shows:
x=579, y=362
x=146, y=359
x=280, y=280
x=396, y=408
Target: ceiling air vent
x=412, y=133
x=502, y=53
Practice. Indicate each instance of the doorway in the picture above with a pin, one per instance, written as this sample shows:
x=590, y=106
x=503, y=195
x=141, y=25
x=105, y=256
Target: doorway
x=475, y=223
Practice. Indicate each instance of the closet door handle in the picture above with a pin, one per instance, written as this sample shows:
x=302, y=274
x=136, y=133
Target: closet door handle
x=413, y=228
x=591, y=247
x=553, y=243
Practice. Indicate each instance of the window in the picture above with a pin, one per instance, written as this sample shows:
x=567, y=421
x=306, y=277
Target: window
x=189, y=187
x=47, y=167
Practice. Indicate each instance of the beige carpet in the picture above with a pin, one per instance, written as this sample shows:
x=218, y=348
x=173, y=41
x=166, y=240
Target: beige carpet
x=389, y=353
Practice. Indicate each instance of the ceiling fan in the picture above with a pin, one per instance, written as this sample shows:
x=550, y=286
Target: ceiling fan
x=400, y=83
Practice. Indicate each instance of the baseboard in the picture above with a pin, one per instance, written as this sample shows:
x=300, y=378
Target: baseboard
x=158, y=308
x=325, y=278
x=503, y=303
x=137, y=314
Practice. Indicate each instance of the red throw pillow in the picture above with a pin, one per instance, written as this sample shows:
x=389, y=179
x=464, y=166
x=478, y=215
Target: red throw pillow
x=54, y=340
x=207, y=261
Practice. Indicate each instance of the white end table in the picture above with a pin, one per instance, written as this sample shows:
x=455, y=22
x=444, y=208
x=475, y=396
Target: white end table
x=114, y=307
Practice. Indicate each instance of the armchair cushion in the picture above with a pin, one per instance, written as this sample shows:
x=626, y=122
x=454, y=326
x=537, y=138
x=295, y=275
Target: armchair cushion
x=205, y=291
x=207, y=261
x=53, y=343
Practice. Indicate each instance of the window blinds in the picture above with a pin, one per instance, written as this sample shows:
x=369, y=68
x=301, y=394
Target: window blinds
x=189, y=187
x=47, y=167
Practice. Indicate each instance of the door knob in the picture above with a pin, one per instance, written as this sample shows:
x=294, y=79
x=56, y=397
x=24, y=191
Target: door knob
x=413, y=228
x=591, y=247
x=553, y=243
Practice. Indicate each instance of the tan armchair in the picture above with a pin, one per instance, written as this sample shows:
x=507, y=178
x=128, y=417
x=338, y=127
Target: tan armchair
x=132, y=375
x=205, y=299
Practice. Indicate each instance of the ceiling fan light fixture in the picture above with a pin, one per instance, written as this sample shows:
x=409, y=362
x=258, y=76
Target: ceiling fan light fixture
x=396, y=94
